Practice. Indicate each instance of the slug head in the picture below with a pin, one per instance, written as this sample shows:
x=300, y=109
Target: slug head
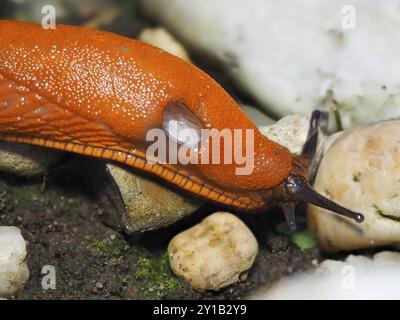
x=296, y=187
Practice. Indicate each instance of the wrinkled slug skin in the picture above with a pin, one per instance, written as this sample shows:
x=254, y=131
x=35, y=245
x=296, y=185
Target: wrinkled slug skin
x=97, y=94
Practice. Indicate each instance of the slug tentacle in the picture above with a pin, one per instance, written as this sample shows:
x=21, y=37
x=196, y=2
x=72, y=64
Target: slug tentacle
x=319, y=120
x=288, y=209
x=297, y=187
x=301, y=190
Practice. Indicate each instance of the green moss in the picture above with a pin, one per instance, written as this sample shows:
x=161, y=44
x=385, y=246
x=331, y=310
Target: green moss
x=115, y=261
x=106, y=247
x=157, y=277
x=124, y=281
x=304, y=239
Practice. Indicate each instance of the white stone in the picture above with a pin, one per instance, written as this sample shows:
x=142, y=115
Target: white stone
x=358, y=277
x=290, y=131
x=162, y=39
x=13, y=269
x=213, y=254
x=294, y=56
x=361, y=171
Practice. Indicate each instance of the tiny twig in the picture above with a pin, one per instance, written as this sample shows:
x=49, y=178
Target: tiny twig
x=44, y=182
x=336, y=113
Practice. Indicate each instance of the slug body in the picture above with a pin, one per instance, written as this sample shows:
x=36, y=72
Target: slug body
x=98, y=94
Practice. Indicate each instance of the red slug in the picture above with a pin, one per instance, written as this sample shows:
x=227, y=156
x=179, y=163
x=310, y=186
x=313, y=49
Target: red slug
x=97, y=94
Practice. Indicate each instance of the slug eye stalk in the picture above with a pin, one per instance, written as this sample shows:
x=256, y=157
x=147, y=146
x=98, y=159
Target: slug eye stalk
x=301, y=190
x=296, y=185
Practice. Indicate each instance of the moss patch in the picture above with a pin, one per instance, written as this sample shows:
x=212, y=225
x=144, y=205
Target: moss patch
x=157, y=277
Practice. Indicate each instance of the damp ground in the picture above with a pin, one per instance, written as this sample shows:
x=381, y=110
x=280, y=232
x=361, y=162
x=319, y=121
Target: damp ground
x=63, y=226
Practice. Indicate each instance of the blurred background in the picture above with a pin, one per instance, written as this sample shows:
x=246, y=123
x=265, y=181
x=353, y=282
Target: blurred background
x=120, y=16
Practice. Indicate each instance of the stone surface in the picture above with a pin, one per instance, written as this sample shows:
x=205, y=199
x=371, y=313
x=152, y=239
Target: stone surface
x=213, y=254
x=162, y=39
x=360, y=170
x=294, y=57
x=358, y=277
x=13, y=269
x=290, y=131
x=149, y=204
x=26, y=160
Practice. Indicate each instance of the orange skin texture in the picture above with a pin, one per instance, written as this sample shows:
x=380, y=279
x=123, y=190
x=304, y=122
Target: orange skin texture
x=97, y=94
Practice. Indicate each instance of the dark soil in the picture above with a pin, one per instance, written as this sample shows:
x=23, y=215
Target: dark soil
x=63, y=227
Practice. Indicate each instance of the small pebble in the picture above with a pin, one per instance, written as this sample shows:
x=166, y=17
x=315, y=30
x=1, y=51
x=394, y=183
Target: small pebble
x=314, y=262
x=13, y=268
x=213, y=254
x=99, y=285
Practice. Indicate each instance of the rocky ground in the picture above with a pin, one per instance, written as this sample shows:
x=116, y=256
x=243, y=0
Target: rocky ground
x=63, y=227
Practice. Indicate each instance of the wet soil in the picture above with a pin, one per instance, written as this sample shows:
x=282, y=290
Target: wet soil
x=64, y=228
